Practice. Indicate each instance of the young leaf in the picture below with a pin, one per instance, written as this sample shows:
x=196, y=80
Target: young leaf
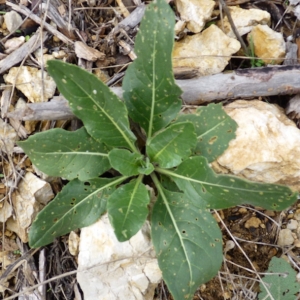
x=79, y=204
x=67, y=154
x=214, y=129
x=282, y=284
x=150, y=92
x=146, y=167
x=127, y=208
x=126, y=162
x=102, y=112
x=172, y=145
x=199, y=182
x=187, y=241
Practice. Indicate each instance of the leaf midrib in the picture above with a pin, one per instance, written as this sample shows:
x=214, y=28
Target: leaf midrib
x=172, y=174
x=48, y=232
x=73, y=153
x=153, y=87
x=211, y=129
x=138, y=181
x=107, y=115
x=167, y=145
x=159, y=187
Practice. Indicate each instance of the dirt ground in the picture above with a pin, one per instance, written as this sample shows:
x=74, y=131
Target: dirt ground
x=249, y=234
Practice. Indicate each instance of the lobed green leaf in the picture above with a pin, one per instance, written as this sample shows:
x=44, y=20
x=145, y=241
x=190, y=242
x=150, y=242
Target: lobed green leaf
x=187, y=241
x=67, y=154
x=127, y=209
x=79, y=204
x=150, y=92
x=207, y=189
x=102, y=112
x=214, y=129
x=169, y=147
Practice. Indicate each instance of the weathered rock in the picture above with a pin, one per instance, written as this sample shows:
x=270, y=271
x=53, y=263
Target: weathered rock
x=13, y=44
x=195, y=13
x=5, y=211
x=285, y=237
x=292, y=224
x=266, y=147
x=8, y=137
x=30, y=82
x=297, y=215
x=268, y=44
x=179, y=27
x=127, y=270
x=27, y=200
x=244, y=20
x=293, y=108
x=207, y=52
x=13, y=21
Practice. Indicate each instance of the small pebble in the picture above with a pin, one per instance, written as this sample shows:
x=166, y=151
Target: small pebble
x=292, y=224
x=243, y=210
x=13, y=21
x=253, y=222
x=229, y=245
x=285, y=237
x=202, y=287
x=270, y=213
x=297, y=215
x=297, y=243
x=55, y=39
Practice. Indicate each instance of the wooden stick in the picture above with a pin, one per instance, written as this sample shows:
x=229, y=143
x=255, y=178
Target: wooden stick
x=240, y=84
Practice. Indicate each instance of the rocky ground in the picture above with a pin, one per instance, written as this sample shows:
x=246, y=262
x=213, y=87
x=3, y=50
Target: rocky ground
x=99, y=36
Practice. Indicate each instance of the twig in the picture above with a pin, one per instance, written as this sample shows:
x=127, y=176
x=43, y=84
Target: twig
x=227, y=12
x=25, y=11
x=18, y=55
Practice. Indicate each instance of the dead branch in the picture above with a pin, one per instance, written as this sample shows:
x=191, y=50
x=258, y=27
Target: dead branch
x=240, y=84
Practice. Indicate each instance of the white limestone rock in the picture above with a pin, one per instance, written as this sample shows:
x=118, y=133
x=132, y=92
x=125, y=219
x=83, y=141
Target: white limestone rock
x=292, y=224
x=30, y=82
x=27, y=200
x=207, y=52
x=8, y=137
x=195, y=13
x=244, y=20
x=13, y=44
x=266, y=147
x=13, y=21
x=285, y=237
x=127, y=270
